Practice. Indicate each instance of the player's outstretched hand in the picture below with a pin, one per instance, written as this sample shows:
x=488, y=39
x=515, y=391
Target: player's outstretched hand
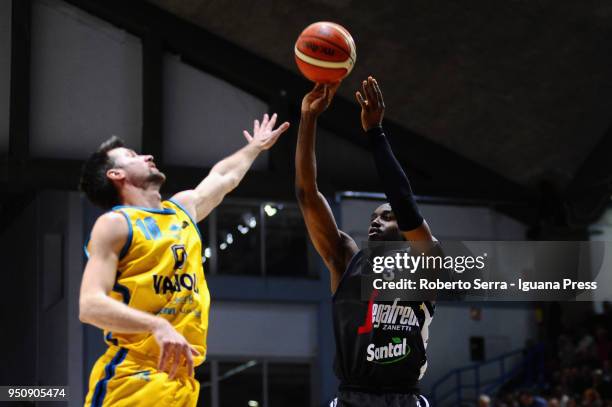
x=317, y=100
x=174, y=349
x=264, y=135
x=372, y=104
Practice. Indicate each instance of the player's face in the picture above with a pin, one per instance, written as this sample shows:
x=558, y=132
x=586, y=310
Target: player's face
x=139, y=170
x=383, y=225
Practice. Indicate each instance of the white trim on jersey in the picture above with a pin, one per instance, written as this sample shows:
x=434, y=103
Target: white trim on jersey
x=425, y=401
x=425, y=336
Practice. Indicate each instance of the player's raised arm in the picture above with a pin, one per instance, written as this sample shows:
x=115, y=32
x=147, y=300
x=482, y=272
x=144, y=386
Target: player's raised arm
x=227, y=173
x=412, y=225
x=335, y=247
x=96, y=307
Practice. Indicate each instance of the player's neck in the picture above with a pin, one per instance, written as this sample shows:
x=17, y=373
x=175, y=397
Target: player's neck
x=147, y=198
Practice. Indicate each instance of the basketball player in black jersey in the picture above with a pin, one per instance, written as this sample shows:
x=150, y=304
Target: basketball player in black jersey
x=380, y=345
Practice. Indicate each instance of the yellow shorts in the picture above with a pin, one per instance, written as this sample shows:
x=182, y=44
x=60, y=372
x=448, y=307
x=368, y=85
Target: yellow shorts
x=123, y=378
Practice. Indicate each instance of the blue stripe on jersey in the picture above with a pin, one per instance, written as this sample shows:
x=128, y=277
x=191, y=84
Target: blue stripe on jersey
x=100, y=392
x=188, y=215
x=125, y=293
x=164, y=211
x=128, y=242
x=109, y=338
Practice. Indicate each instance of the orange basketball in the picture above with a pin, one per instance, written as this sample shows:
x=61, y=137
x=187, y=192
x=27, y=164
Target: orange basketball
x=325, y=52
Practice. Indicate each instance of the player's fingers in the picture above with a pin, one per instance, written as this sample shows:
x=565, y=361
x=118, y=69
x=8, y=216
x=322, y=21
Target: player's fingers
x=333, y=88
x=325, y=92
x=176, y=360
x=363, y=88
x=255, y=126
x=194, y=351
x=379, y=95
x=161, y=360
x=360, y=99
x=367, y=90
x=281, y=129
x=265, y=120
x=165, y=357
x=318, y=87
x=329, y=92
x=189, y=361
x=272, y=121
x=370, y=93
x=247, y=136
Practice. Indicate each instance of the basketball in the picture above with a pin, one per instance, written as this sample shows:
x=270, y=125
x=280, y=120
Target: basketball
x=325, y=52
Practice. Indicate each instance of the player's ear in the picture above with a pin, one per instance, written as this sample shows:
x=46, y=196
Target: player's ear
x=115, y=174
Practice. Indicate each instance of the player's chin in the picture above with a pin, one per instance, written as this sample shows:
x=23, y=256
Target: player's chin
x=375, y=237
x=157, y=177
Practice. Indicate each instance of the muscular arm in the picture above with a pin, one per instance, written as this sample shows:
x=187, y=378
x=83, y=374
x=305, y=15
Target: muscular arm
x=96, y=307
x=412, y=225
x=397, y=188
x=335, y=247
x=227, y=173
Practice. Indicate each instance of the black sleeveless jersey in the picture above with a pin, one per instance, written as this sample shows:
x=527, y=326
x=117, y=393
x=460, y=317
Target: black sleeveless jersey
x=380, y=345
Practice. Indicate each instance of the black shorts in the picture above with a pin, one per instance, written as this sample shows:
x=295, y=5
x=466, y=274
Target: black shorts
x=359, y=399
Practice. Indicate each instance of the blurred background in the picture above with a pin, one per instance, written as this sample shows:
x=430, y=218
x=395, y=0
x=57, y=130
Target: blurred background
x=500, y=113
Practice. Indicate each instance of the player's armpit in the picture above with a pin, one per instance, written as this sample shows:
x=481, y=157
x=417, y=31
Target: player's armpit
x=187, y=200
x=199, y=202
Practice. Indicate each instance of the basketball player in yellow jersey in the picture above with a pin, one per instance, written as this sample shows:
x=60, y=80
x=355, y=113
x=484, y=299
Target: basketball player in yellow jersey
x=144, y=282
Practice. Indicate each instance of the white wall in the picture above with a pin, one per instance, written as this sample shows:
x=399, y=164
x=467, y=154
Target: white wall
x=86, y=82
x=262, y=329
x=86, y=85
x=204, y=116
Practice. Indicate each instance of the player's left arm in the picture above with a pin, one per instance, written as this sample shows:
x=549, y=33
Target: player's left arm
x=397, y=188
x=227, y=173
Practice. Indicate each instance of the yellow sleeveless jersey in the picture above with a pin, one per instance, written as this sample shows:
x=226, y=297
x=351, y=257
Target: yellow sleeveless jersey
x=160, y=272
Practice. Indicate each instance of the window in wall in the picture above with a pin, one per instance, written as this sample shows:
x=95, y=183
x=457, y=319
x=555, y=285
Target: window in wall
x=238, y=239
x=285, y=242
x=204, y=116
x=240, y=384
x=239, y=232
x=203, y=375
x=85, y=82
x=255, y=383
x=288, y=384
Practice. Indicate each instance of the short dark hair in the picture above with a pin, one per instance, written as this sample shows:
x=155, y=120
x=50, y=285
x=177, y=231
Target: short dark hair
x=94, y=182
